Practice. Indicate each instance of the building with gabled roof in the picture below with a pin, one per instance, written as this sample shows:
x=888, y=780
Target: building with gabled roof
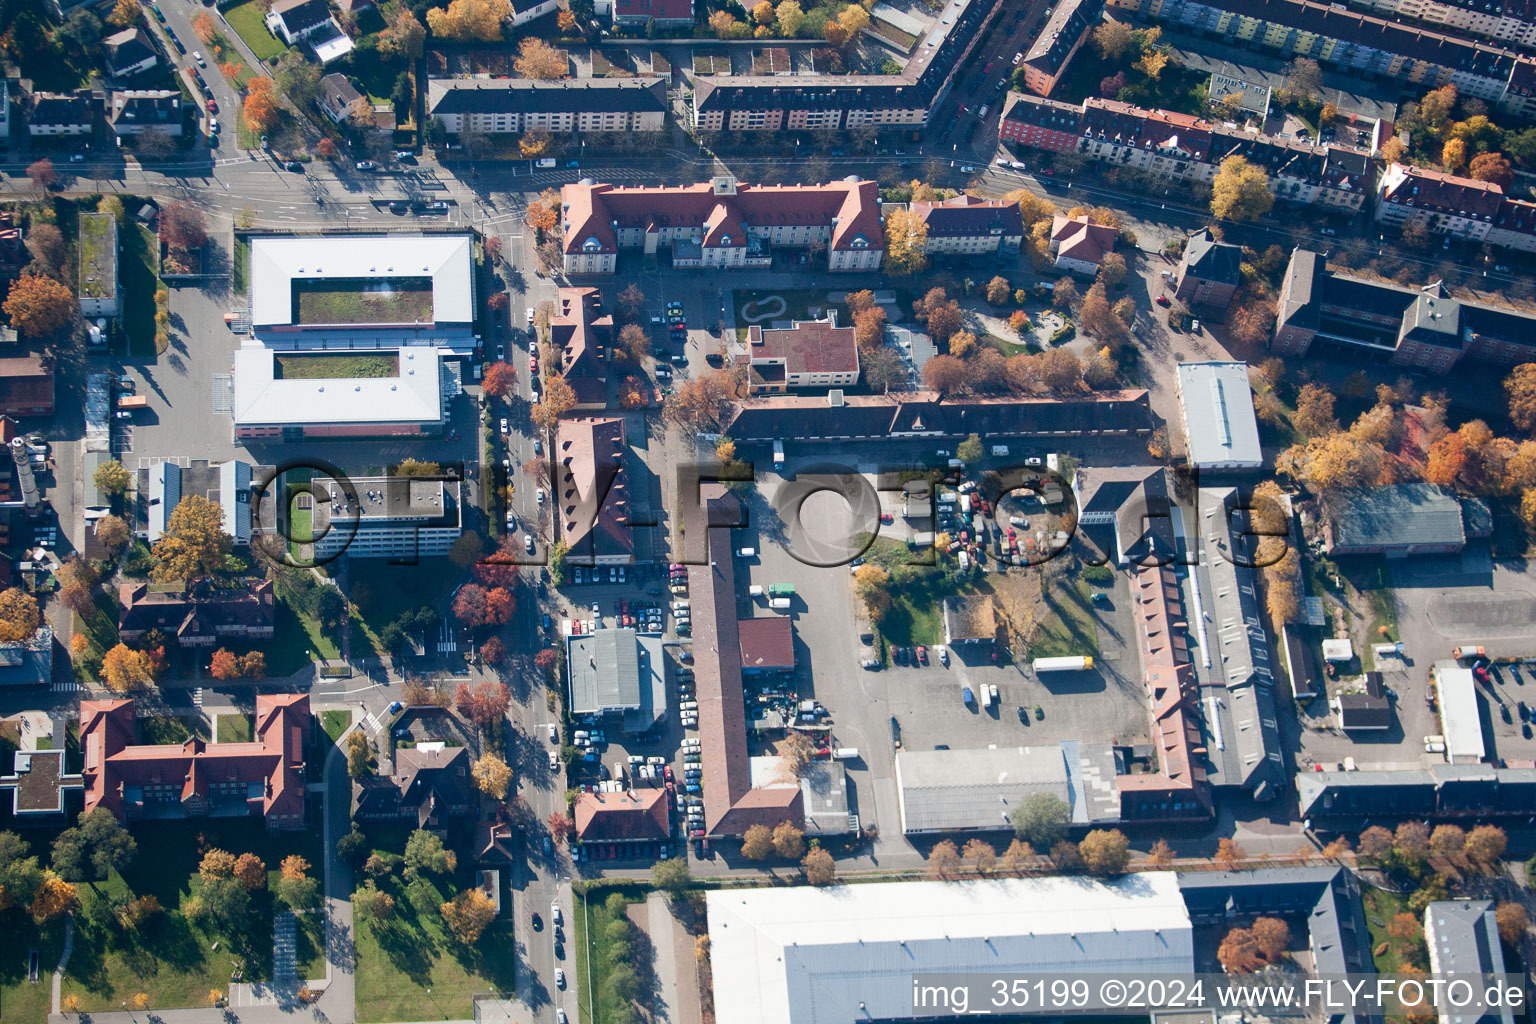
x=664, y=13
x=1462, y=937
x=52, y=113
x=581, y=335
x=308, y=22
x=429, y=786
x=1209, y=271
x=1446, y=204
x=1393, y=519
x=970, y=620
x=266, y=777
x=338, y=97
x=617, y=673
x=591, y=491
x=808, y=354
x=1362, y=705
x=1067, y=25
x=129, y=51
x=501, y=105
x=1079, y=244
x=197, y=614
x=721, y=224
x=732, y=804
x=26, y=385
x=623, y=818
x=146, y=111
x=965, y=225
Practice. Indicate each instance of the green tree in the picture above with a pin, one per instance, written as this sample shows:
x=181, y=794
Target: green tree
x=1105, y=851
x=969, y=451
x=359, y=755
x=672, y=876
x=97, y=844
x=424, y=853
x=1041, y=820
x=20, y=874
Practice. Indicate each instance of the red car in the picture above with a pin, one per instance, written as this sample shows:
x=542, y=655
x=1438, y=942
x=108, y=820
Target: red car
x=885, y=517
x=666, y=773
x=213, y=106
x=1162, y=300
x=922, y=655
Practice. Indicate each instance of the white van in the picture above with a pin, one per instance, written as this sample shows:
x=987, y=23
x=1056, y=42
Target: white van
x=755, y=591
x=999, y=449
x=746, y=552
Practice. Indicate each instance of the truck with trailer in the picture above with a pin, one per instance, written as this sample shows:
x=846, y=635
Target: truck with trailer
x=781, y=590
x=1073, y=664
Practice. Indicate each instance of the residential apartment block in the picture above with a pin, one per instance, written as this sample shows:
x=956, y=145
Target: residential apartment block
x=1410, y=58
x=1067, y=25
x=1418, y=327
x=52, y=113
x=145, y=112
x=661, y=13
x=1463, y=208
x=581, y=335
x=1181, y=147
x=198, y=614
x=966, y=226
x=1079, y=245
x=518, y=105
x=1507, y=21
x=721, y=224
x=771, y=103
x=1209, y=272
x=591, y=491
x=810, y=354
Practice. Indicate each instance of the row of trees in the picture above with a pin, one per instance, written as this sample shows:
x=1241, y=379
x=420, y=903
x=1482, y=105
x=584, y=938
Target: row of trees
x=1102, y=852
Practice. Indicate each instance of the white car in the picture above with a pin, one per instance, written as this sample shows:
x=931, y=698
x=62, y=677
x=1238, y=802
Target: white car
x=530, y=318
x=199, y=58
x=554, y=761
x=554, y=733
x=554, y=914
x=504, y=428
x=365, y=165
x=559, y=978
x=529, y=543
x=541, y=495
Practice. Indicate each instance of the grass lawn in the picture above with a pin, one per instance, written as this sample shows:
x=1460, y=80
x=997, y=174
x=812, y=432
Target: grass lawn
x=1068, y=629
x=10, y=742
x=97, y=255
x=169, y=957
x=1370, y=594
x=589, y=919
x=798, y=305
x=915, y=616
x=245, y=19
x=398, y=960
x=400, y=300
x=239, y=282
x=335, y=723
x=309, y=944
x=295, y=631
x=903, y=41
x=139, y=270
x=1380, y=907
x=230, y=55
x=21, y=1000
x=233, y=728
x=171, y=729
x=310, y=367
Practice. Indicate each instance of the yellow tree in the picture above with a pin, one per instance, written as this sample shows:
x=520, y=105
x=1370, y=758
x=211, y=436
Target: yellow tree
x=819, y=867
x=790, y=16
x=194, y=542
x=123, y=668
x=124, y=13
x=906, y=237
x=470, y=19
x=19, y=616
x=492, y=775
x=535, y=143
x=1240, y=190
x=537, y=59
x=468, y=914
x=762, y=12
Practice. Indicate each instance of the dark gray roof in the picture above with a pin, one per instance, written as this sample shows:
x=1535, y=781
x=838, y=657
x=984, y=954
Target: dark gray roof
x=1368, y=708
x=530, y=96
x=28, y=663
x=1329, y=896
x=60, y=108
x=1441, y=792
x=129, y=47
x=298, y=15
x=1210, y=260
x=1395, y=516
x=1466, y=937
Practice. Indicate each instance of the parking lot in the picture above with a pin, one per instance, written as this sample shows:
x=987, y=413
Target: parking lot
x=1443, y=601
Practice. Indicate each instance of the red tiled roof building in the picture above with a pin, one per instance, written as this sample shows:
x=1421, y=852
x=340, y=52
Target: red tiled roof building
x=265, y=777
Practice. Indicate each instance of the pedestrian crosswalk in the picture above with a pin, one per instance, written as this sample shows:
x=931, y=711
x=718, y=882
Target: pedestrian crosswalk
x=371, y=723
x=197, y=697
x=65, y=686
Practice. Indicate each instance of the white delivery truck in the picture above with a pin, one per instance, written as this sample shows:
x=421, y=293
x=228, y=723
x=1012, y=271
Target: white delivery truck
x=779, y=604
x=1077, y=664
x=778, y=454
x=986, y=696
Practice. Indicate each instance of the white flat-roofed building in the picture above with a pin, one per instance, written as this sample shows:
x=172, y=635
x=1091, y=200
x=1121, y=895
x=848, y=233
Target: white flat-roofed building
x=807, y=955
x=385, y=517
x=267, y=405
x=414, y=289
x=1459, y=716
x=1217, y=405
